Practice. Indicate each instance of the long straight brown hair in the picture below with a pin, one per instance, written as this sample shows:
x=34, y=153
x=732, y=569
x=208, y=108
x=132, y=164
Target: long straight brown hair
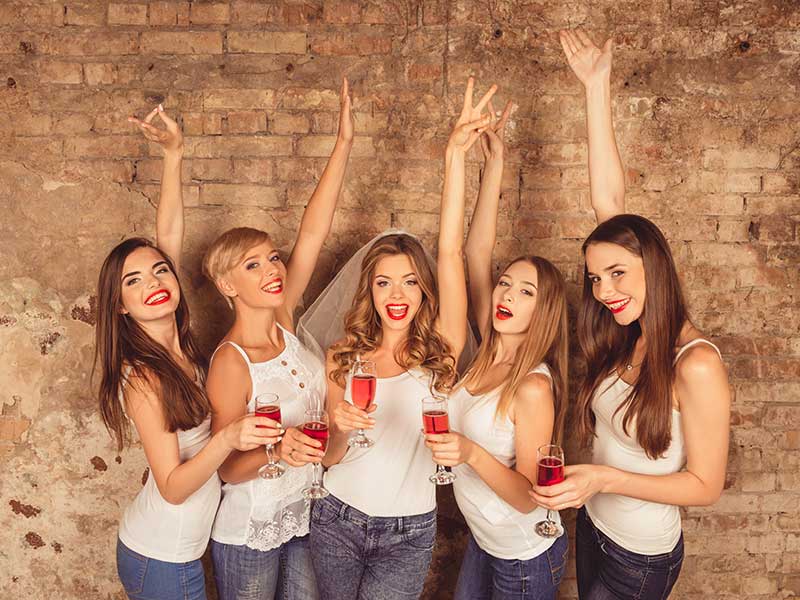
x=424, y=347
x=608, y=346
x=121, y=342
x=547, y=341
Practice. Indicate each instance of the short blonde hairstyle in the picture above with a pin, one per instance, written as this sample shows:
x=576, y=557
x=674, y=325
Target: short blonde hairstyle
x=228, y=250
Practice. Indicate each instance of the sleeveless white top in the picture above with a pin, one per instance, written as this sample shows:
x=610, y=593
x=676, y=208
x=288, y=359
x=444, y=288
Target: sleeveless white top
x=174, y=533
x=640, y=526
x=498, y=528
x=265, y=513
x=390, y=479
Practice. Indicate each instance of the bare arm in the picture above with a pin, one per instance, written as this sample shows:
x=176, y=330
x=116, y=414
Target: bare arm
x=176, y=481
x=593, y=67
x=169, y=216
x=533, y=422
x=318, y=216
x=483, y=228
x=450, y=262
x=228, y=388
x=702, y=388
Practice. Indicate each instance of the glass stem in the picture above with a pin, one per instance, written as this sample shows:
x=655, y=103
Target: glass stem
x=549, y=518
x=270, y=457
x=315, y=480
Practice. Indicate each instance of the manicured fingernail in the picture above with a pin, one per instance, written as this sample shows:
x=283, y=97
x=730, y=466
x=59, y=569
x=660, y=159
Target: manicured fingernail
x=280, y=437
x=160, y=108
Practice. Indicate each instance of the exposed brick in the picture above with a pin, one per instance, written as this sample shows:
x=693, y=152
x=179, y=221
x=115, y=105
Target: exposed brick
x=242, y=194
x=127, y=14
x=285, y=123
x=342, y=44
x=194, y=42
x=267, y=42
x=91, y=14
x=238, y=146
x=214, y=13
x=238, y=98
x=247, y=122
x=94, y=44
x=341, y=12
x=169, y=13
x=302, y=99
x=320, y=145
x=60, y=72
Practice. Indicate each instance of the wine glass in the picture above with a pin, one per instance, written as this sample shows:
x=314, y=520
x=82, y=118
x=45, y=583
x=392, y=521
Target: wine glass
x=268, y=405
x=363, y=378
x=436, y=420
x=549, y=471
x=316, y=426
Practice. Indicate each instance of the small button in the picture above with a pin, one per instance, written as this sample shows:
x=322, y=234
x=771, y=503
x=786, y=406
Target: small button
x=284, y=363
x=294, y=371
x=302, y=385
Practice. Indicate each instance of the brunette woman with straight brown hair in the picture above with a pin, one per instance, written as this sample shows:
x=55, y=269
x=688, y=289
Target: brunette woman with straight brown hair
x=152, y=374
x=655, y=403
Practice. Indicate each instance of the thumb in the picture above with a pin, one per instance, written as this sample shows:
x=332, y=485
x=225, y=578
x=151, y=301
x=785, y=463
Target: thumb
x=607, y=47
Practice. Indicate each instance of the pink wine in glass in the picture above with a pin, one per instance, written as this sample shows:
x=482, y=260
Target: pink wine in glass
x=271, y=411
x=550, y=471
x=435, y=421
x=318, y=431
x=363, y=390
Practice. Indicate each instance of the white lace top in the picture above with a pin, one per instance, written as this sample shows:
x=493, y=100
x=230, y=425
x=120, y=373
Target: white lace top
x=264, y=513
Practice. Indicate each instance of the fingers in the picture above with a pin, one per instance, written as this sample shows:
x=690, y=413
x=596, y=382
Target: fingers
x=468, y=94
x=486, y=97
x=168, y=121
x=567, y=43
x=584, y=39
x=609, y=45
x=501, y=124
x=344, y=93
x=492, y=113
x=151, y=115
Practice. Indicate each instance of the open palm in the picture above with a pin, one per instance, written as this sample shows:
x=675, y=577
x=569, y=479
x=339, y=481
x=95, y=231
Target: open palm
x=589, y=63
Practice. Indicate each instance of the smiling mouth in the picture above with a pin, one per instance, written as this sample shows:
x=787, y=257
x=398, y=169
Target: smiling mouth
x=273, y=287
x=503, y=313
x=618, y=306
x=157, y=297
x=397, y=312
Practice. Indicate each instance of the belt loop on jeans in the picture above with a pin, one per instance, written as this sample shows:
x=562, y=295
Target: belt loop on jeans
x=342, y=510
x=400, y=524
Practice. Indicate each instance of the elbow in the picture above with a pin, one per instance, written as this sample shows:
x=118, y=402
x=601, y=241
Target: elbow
x=173, y=497
x=711, y=496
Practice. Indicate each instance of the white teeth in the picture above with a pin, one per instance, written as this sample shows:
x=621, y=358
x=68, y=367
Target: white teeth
x=272, y=287
x=397, y=310
x=156, y=298
x=621, y=303
x=505, y=311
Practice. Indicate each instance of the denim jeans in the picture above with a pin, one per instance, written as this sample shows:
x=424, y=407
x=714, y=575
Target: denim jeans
x=358, y=557
x=146, y=578
x=607, y=571
x=283, y=573
x=486, y=577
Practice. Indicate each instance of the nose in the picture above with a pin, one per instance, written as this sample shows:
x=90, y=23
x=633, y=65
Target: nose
x=605, y=291
x=397, y=292
x=151, y=280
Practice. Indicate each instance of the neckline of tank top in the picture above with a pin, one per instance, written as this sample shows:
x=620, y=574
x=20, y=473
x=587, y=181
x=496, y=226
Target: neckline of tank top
x=286, y=336
x=496, y=390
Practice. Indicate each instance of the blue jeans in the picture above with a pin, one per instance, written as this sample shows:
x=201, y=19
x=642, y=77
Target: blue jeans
x=486, y=577
x=146, y=578
x=283, y=573
x=358, y=557
x=607, y=571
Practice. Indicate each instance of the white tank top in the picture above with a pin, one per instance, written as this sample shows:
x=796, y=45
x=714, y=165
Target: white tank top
x=390, y=479
x=174, y=533
x=640, y=526
x=498, y=528
x=265, y=513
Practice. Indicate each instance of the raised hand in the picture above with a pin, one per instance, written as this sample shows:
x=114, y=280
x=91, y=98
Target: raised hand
x=171, y=138
x=589, y=63
x=470, y=123
x=346, y=128
x=492, y=140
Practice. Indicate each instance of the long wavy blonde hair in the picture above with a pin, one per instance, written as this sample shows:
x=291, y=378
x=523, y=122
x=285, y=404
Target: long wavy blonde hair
x=547, y=340
x=424, y=347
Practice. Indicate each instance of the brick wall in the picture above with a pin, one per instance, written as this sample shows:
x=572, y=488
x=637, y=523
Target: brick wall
x=706, y=112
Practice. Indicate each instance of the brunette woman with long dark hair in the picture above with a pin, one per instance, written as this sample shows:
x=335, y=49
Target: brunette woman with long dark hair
x=655, y=403
x=151, y=374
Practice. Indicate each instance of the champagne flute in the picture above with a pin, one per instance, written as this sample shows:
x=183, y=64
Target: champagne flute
x=363, y=379
x=549, y=471
x=268, y=405
x=435, y=420
x=316, y=426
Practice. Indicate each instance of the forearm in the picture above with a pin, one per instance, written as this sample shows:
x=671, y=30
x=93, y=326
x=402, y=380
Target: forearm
x=244, y=466
x=169, y=216
x=483, y=227
x=451, y=219
x=337, y=447
x=190, y=476
x=606, y=177
x=507, y=483
x=680, y=489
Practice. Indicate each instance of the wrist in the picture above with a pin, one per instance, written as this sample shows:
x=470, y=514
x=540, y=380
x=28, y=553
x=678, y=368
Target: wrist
x=598, y=87
x=174, y=154
x=607, y=477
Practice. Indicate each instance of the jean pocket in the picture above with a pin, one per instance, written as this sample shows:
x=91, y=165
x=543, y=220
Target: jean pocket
x=131, y=568
x=557, y=558
x=323, y=513
x=635, y=565
x=421, y=537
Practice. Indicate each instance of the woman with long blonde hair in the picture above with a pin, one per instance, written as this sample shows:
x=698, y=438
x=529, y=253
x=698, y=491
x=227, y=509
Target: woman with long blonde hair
x=373, y=536
x=511, y=401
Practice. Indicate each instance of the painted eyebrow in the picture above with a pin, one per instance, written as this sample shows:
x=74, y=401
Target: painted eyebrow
x=132, y=273
x=526, y=282
x=403, y=277
x=611, y=268
x=254, y=256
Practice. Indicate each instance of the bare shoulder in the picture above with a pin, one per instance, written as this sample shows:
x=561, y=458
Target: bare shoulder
x=699, y=363
x=141, y=391
x=534, y=390
x=228, y=360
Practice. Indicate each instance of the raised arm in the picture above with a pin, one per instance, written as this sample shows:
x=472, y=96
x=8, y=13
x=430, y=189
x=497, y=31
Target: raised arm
x=592, y=66
x=169, y=217
x=483, y=227
x=318, y=216
x=450, y=263
x=177, y=480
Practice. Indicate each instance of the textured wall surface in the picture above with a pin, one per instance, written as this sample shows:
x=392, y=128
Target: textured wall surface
x=706, y=111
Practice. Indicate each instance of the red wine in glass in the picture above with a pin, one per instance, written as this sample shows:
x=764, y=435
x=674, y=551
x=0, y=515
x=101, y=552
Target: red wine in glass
x=435, y=421
x=318, y=431
x=271, y=411
x=550, y=471
x=363, y=390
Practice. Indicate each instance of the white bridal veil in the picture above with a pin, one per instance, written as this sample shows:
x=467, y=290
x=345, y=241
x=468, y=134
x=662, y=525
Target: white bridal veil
x=323, y=322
